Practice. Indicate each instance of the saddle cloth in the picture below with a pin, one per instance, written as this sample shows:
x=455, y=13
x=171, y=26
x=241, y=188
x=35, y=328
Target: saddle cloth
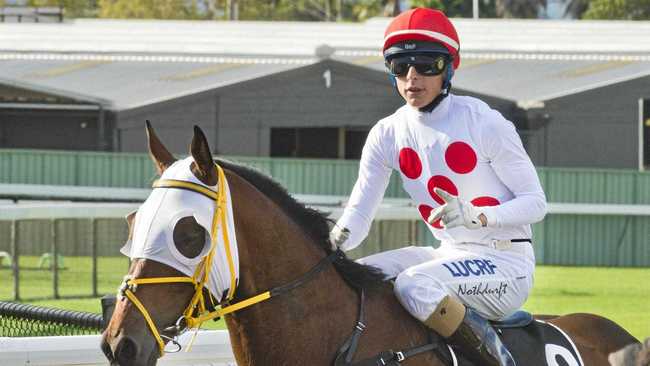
x=537, y=344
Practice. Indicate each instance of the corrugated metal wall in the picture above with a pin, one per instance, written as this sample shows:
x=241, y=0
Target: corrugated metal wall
x=317, y=176
x=75, y=168
x=561, y=239
x=574, y=185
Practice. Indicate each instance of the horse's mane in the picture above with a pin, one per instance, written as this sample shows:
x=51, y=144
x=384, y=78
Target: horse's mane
x=312, y=221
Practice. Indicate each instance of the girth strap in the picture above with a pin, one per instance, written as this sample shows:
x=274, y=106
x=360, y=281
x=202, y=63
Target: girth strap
x=349, y=348
x=390, y=357
x=393, y=358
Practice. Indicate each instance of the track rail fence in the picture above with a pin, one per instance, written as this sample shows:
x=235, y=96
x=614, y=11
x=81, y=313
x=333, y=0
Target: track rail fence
x=75, y=246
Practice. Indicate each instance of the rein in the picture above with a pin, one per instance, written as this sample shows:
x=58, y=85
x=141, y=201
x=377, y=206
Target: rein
x=197, y=304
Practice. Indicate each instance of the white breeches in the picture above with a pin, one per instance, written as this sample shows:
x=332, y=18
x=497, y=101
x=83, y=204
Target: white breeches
x=493, y=282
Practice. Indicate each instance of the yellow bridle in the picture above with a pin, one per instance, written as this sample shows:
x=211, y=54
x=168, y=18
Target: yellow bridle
x=201, y=274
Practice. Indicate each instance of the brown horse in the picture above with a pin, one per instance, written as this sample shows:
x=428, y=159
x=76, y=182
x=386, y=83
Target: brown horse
x=278, y=241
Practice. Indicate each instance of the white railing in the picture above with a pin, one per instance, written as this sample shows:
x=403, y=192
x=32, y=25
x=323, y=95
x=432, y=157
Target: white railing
x=391, y=208
x=211, y=348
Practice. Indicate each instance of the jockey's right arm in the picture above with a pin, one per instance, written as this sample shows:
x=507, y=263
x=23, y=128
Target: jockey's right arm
x=368, y=191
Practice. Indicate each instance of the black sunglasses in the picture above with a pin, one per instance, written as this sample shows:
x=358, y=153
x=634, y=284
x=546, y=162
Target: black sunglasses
x=424, y=65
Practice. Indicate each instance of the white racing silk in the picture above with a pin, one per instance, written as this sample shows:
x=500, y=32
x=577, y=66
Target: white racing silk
x=154, y=227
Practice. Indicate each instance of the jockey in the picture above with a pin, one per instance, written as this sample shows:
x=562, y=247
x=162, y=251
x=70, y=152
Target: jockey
x=464, y=167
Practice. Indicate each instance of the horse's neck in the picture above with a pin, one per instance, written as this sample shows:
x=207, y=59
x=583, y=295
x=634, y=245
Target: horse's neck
x=310, y=323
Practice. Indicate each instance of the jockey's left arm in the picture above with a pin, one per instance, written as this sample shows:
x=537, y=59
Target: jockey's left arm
x=502, y=146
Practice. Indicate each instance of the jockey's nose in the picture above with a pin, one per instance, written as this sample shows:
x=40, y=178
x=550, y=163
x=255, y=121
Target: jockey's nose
x=412, y=73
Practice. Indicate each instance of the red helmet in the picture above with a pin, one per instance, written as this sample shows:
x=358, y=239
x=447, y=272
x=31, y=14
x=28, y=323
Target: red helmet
x=423, y=24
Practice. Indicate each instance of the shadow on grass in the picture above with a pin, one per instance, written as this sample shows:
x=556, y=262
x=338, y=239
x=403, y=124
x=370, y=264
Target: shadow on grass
x=564, y=292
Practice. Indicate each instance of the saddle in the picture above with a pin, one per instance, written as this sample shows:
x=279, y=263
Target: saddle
x=519, y=319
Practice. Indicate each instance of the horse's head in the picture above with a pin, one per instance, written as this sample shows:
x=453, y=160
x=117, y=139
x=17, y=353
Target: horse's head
x=177, y=269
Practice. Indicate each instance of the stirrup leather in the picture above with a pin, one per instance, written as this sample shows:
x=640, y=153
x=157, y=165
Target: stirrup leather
x=479, y=342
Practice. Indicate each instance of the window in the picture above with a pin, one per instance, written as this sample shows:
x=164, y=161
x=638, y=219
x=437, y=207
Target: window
x=326, y=143
x=354, y=141
x=305, y=142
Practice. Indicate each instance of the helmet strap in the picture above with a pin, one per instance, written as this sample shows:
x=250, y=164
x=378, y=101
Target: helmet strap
x=434, y=103
x=446, y=87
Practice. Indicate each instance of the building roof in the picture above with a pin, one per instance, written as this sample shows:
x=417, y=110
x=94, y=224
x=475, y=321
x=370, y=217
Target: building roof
x=121, y=85
x=124, y=64
x=301, y=38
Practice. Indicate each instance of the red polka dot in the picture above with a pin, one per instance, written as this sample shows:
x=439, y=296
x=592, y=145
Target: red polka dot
x=460, y=157
x=409, y=163
x=425, y=211
x=443, y=183
x=485, y=201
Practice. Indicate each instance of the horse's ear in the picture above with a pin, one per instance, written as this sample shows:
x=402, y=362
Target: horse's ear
x=200, y=150
x=159, y=154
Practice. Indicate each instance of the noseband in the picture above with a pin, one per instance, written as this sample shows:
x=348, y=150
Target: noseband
x=196, y=311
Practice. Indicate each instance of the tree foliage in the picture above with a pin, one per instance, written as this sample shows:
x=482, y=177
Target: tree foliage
x=304, y=10
x=618, y=9
x=363, y=9
x=73, y=8
x=459, y=8
x=518, y=8
x=148, y=9
x=324, y=10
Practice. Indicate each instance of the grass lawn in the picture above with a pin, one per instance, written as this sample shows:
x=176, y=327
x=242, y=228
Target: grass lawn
x=620, y=294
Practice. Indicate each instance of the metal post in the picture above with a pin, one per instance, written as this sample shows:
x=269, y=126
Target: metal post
x=396, y=8
x=339, y=10
x=53, y=259
x=475, y=9
x=233, y=10
x=341, y=143
x=328, y=11
x=641, y=137
x=546, y=147
x=380, y=237
x=14, y=253
x=413, y=230
x=93, y=249
x=102, y=144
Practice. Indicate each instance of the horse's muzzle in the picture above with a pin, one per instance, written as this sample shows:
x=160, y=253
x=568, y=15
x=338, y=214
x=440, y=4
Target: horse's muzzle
x=128, y=353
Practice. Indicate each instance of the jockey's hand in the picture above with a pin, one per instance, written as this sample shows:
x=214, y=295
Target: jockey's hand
x=456, y=212
x=338, y=236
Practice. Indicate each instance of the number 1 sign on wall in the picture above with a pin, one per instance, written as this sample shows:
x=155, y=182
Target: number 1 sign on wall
x=327, y=75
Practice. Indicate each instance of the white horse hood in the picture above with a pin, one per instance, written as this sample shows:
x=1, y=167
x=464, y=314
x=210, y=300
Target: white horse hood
x=154, y=228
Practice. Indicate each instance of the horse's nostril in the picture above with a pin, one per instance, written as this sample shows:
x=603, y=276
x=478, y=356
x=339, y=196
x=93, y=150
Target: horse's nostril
x=106, y=348
x=126, y=351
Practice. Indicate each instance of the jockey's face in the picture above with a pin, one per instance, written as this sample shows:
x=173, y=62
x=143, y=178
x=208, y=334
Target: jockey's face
x=419, y=90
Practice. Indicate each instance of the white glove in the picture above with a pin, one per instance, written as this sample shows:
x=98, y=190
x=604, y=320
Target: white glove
x=338, y=236
x=456, y=212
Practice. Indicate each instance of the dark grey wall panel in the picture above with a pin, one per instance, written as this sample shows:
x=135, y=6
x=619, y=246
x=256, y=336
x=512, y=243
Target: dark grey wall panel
x=301, y=98
x=596, y=128
x=173, y=121
x=49, y=129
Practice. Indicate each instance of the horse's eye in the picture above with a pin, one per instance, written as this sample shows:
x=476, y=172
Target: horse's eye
x=189, y=237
